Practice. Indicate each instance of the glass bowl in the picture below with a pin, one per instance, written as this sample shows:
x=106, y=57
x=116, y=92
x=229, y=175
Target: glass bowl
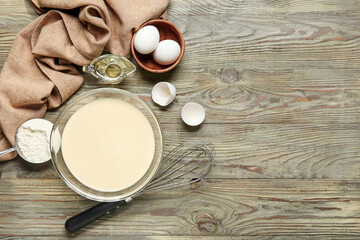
x=56, y=151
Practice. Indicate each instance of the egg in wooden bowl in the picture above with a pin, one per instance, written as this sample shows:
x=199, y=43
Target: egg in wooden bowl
x=158, y=56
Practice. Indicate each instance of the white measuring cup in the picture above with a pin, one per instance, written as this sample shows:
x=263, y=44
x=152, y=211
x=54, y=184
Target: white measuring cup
x=16, y=146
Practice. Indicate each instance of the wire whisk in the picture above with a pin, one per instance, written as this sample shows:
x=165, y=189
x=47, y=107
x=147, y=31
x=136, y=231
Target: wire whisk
x=189, y=162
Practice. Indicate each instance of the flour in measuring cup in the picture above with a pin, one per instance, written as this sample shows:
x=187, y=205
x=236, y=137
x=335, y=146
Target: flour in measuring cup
x=33, y=140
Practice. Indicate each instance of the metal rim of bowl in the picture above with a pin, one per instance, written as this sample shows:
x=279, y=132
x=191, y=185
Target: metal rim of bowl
x=142, y=181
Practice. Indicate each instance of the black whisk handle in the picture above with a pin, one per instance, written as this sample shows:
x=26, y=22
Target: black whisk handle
x=84, y=218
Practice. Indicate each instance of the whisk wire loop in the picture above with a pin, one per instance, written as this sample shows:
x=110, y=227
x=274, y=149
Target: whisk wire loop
x=187, y=163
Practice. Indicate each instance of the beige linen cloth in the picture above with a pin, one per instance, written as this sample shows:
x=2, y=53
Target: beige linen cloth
x=38, y=73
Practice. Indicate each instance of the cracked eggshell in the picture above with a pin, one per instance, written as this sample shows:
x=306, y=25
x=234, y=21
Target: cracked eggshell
x=163, y=93
x=193, y=114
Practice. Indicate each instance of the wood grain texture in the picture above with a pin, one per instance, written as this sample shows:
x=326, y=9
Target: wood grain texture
x=279, y=80
x=215, y=207
x=238, y=103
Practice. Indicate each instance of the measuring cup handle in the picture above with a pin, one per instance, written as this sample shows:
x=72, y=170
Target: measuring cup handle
x=2, y=153
x=86, y=217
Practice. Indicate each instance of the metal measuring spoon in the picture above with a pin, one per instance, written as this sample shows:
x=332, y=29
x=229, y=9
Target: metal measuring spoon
x=16, y=146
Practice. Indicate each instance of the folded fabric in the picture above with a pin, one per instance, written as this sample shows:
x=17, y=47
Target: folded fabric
x=39, y=73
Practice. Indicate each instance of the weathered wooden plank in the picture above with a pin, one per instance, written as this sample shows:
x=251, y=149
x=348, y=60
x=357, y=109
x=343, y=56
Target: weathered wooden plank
x=259, y=7
x=218, y=207
x=241, y=103
x=258, y=151
x=246, y=237
x=280, y=80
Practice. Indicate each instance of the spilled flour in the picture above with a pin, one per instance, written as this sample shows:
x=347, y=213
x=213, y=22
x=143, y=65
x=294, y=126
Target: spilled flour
x=33, y=140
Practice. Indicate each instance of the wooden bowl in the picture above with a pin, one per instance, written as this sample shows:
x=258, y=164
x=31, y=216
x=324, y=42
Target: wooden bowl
x=168, y=31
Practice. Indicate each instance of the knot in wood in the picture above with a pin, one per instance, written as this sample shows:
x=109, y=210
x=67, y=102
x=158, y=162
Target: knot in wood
x=229, y=75
x=207, y=224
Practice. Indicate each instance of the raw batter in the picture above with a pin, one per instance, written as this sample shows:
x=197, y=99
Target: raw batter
x=108, y=144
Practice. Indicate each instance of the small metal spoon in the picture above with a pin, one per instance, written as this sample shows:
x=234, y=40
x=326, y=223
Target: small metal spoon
x=16, y=146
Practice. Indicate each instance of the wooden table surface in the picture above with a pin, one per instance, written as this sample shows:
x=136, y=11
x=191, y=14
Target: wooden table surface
x=279, y=80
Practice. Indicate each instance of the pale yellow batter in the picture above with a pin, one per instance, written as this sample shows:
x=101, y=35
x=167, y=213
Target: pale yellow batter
x=108, y=144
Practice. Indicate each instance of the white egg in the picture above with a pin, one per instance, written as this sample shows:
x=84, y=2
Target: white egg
x=146, y=39
x=163, y=93
x=167, y=52
x=193, y=114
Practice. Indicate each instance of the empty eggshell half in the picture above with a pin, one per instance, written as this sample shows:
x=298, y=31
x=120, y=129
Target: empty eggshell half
x=163, y=93
x=193, y=114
